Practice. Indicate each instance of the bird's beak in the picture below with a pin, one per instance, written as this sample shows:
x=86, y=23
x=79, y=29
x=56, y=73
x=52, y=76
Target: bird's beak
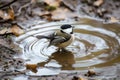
x=73, y=26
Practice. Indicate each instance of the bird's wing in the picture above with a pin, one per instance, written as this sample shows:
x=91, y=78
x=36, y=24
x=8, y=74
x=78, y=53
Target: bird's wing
x=51, y=36
x=57, y=40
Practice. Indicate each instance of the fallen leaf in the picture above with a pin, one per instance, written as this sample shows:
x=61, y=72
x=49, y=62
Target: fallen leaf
x=39, y=12
x=55, y=3
x=113, y=19
x=62, y=13
x=44, y=14
x=11, y=13
x=4, y=31
x=1, y=14
x=98, y=3
x=7, y=15
x=16, y=30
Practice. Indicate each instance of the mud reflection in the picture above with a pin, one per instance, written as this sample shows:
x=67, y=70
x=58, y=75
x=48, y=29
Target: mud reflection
x=64, y=58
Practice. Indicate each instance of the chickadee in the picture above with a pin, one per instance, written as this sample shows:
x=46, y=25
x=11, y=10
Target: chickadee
x=61, y=38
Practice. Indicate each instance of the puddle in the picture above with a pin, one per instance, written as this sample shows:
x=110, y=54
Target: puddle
x=96, y=45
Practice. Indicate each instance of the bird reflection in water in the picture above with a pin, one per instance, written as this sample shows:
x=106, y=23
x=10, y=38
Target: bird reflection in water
x=64, y=58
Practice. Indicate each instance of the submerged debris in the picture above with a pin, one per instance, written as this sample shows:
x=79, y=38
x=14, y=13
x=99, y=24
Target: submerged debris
x=32, y=67
x=90, y=73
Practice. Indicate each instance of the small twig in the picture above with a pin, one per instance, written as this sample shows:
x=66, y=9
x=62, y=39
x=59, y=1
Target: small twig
x=8, y=4
x=7, y=48
x=65, y=4
x=20, y=9
x=5, y=21
x=12, y=73
x=84, y=11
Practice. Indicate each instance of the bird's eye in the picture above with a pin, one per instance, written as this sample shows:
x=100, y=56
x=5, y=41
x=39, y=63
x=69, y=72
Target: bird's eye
x=71, y=32
x=62, y=31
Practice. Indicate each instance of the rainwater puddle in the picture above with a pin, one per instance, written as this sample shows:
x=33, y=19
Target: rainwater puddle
x=96, y=45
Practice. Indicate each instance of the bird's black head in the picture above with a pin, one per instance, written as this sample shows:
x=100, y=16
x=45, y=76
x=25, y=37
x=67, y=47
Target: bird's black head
x=66, y=28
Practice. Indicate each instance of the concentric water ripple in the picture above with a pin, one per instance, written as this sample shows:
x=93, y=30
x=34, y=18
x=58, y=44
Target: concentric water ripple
x=96, y=45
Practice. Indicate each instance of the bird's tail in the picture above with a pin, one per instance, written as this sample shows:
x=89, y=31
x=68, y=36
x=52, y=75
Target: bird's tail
x=41, y=36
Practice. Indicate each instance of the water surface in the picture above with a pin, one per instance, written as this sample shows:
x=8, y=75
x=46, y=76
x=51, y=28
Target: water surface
x=96, y=45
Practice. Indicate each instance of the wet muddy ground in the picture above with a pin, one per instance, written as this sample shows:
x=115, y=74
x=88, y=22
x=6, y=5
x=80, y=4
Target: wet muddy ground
x=96, y=47
x=92, y=50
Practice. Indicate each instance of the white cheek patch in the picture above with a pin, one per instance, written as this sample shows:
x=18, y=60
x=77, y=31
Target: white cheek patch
x=69, y=30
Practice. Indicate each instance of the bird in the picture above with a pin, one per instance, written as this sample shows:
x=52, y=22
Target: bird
x=60, y=38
